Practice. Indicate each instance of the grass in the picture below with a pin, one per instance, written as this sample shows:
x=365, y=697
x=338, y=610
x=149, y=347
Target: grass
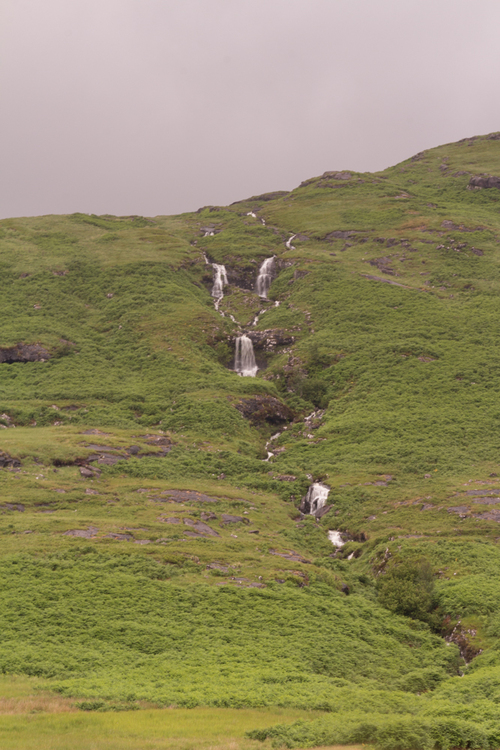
x=175, y=729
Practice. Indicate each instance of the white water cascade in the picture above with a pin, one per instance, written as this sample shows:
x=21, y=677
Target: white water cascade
x=244, y=360
x=220, y=281
x=316, y=497
x=336, y=538
x=265, y=277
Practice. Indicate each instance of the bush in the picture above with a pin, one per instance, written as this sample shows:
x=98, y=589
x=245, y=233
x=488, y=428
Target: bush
x=407, y=588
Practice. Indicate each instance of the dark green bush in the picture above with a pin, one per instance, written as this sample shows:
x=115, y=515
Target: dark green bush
x=406, y=587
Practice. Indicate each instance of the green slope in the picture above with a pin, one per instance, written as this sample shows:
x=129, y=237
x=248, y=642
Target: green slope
x=387, y=329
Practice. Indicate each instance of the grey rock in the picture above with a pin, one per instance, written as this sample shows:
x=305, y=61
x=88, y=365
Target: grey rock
x=200, y=527
x=7, y=461
x=82, y=533
x=23, y=353
x=484, y=181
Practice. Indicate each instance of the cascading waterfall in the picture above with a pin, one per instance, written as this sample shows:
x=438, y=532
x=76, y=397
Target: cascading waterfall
x=336, y=538
x=316, y=498
x=244, y=360
x=220, y=280
x=265, y=277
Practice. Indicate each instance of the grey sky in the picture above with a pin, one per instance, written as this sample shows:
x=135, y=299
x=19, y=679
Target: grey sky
x=162, y=106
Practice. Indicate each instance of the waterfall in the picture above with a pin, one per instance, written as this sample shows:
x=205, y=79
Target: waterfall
x=316, y=498
x=244, y=360
x=288, y=243
x=336, y=538
x=265, y=277
x=220, y=280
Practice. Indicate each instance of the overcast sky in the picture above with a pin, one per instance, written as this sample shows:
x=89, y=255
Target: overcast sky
x=162, y=106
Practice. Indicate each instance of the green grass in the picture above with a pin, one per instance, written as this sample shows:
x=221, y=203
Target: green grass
x=179, y=729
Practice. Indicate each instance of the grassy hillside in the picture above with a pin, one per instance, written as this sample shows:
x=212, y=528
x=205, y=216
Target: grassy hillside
x=151, y=557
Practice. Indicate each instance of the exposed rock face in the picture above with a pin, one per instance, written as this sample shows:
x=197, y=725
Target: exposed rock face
x=12, y=506
x=200, y=527
x=7, y=461
x=338, y=175
x=484, y=181
x=383, y=265
x=270, y=339
x=463, y=637
x=260, y=409
x=242, y=276
x=83, y=533
x=23, y=353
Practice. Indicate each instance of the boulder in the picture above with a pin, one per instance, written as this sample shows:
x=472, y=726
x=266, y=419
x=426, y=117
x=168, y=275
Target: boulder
x=23, y=353
x=82, y=533
x=7, y=461
x=484, y=181
x=200, y=527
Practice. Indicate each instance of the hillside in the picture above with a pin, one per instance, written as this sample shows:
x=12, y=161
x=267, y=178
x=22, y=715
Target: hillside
x=158, y=547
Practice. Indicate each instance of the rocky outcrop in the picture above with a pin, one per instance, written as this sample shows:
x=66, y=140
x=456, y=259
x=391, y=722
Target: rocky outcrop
x=383, y=265
x=23, y=353
x=7, y=461
x=200, y=527
x=463, y=637
x=484, y=181
x=242, y=276
x=89, y=533
x=337, y=175
x=262, y=409
x=270, y=339
x=460, y=227
x=12, y=506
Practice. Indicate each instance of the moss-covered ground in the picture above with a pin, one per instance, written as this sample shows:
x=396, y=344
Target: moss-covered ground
x=126, y=598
